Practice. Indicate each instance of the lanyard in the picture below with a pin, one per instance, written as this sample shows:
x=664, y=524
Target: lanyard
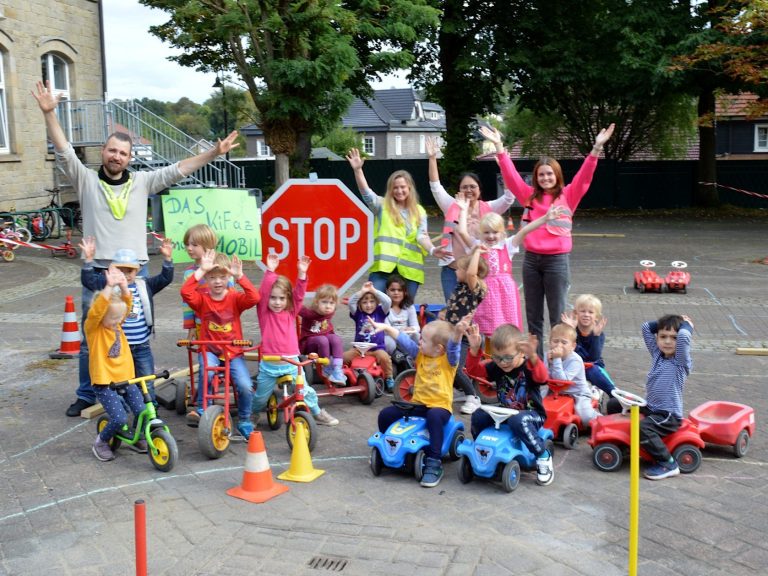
x=118, y=203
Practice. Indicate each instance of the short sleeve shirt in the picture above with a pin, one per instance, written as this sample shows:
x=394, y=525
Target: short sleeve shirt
x=463, y=301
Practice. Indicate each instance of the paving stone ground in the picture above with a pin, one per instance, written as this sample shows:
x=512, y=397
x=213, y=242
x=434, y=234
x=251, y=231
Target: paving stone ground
x=63, y=512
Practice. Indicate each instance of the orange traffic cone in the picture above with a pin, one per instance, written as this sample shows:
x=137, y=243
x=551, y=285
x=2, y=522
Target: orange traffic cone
x=510, y=224
x=257, y=485
x=70, y=334
x=301, y=469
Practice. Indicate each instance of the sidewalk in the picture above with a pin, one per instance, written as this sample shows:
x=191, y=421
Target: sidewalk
x=64, y=512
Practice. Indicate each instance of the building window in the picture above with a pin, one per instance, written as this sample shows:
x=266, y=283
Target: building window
x=398, y=145
x=422, y=144
x=4, y=145
x=369, y=145
x=263, y=150
x=761, y=138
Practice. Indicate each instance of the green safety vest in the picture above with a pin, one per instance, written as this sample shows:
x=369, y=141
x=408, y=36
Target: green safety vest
x=393, y=249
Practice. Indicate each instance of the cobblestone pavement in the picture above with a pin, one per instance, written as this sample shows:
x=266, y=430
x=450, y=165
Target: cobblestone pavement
x=63, y=512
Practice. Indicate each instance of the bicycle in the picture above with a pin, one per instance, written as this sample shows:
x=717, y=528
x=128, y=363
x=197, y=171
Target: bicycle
x=13, y=221
x=7, y=248
x=56, y=213
x=161, y=445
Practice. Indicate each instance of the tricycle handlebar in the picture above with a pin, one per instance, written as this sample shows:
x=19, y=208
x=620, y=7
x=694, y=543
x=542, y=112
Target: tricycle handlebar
x=187, y=342
x=311, y=359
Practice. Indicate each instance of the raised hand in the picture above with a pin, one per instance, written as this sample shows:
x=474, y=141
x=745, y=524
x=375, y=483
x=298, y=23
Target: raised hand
x=569, y=318
x=166, y=249
x=474, y=338
x=462, y=201
x=115, y=277
x=224, y=146
x=45, y=97
x=303, y=264
x=368, y=287
x=462, y=326
x=528, y=347
x=354, y=159
x=236, y=267
x=492, y=135
x=432, y=147
x=206, y=262
x=687, y=319
x=600, y=326
x=88, y=247
x=272, y=261
x=603, y=136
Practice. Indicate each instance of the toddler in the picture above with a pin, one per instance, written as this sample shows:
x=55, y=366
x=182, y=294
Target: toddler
x=318, y=335
x=402, y=312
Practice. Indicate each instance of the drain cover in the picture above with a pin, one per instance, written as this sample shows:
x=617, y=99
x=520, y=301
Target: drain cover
x=328, y=563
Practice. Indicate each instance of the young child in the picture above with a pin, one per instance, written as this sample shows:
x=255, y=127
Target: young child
x=318, y=335
x=366, y=307
x=501, y=304
x=110, y=358
x=565, y=364
x=139, y=323
x=669, y=342
x=588, y=320
x=402, y=312
x=518, y=373
x=219, y=309
x=466, y=296
x=437, y=358
x=277, y=311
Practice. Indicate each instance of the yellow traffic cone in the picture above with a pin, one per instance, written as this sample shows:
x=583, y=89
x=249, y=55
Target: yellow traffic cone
x=301, y=469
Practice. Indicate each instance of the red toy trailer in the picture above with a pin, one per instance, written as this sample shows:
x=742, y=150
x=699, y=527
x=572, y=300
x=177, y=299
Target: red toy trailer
x=726, y=424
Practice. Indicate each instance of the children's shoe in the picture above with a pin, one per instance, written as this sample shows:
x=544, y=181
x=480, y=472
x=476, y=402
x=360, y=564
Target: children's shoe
x=545, y=471
x=245, y=428
x=433, y=472
x=141, y=447
x=389, y=385
x=193, y=417
x=471, y=404
x=325, y=419
x=335, y=373
x=102, y=451
x=662, y=470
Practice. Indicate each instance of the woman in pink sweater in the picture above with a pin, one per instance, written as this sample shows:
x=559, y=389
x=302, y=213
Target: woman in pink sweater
x=546, y=267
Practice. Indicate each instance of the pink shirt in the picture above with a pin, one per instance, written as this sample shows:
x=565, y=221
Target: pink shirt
x=278, y=330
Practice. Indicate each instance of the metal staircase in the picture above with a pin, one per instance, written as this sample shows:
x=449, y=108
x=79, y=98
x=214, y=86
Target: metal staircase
x=156, y=142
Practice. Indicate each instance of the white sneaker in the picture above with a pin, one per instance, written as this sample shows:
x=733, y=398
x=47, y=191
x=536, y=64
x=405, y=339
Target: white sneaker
x=471, y=404
x=325, y=419
x=545, y=471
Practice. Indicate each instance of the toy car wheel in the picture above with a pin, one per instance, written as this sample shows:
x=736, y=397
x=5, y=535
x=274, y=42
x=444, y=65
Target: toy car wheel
x=607, y=457
x=570, y=436
x=688, y=458
x=486, y=391
x=741, y=447
x=213, y=433
x=410, y=463
x=418, y=465
x=310, y=373
x=466, y=474
x=510, y=476
x=180, y=404
x=684, y=290
x=166, y=451
x=634, y=285
x=641, y=287
x=380, y=386
x=71, y=253
x=274, y=414
x=305, y=419
x=368, y=387
x=101, y=423
x=8, y=255
x=376, y=462
x=404, y=385
x=453, y=450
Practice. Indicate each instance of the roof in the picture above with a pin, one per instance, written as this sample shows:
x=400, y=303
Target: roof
x=737, y=105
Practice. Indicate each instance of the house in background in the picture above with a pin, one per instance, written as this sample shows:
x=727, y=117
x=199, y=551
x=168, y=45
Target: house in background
x=739, y=136
x=394, y=123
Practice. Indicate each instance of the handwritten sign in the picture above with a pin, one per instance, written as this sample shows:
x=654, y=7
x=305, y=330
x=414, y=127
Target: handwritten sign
x=232, y=213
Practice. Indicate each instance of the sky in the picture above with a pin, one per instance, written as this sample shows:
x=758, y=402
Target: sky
x=137, y=65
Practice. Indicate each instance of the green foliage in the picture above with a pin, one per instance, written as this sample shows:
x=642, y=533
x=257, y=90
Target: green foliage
x=339, y=140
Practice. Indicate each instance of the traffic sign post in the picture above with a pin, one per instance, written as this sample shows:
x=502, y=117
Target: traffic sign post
x=321, y=219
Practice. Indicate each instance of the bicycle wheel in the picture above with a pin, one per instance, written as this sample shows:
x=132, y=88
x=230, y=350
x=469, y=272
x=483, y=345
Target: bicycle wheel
x=38, y=226
x=53, y=222
x=74, y=218
x=24, y=234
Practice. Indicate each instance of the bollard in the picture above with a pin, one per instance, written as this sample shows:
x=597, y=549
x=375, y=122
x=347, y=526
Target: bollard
x=140, y=525
x=634, y=487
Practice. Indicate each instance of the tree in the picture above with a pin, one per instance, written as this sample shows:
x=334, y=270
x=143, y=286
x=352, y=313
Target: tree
x=339, y=140
x=302, y=62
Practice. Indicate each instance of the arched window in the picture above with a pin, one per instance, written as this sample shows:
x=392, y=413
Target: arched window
x=4, y=139
x=56, y=69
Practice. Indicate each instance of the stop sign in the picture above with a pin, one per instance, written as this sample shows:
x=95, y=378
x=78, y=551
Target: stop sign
x=321, y=219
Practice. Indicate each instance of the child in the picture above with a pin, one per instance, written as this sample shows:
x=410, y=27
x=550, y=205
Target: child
x=466, y=296
x=402, y=312
x=367, y=306
x=588, y=320
x=317, y=332
x=501, y=304
x=110, y=358
x=219, y=309
x=139, y=323
x=518, y=373
x=437, y=357
x=669, y=342
x=277, y=311
x=565, y=364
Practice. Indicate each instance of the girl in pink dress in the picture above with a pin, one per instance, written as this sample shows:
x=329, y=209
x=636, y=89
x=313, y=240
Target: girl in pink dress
x=502, y=301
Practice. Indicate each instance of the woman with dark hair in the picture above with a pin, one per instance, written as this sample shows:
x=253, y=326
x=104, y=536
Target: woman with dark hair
x=469, y=188
x=546, y=267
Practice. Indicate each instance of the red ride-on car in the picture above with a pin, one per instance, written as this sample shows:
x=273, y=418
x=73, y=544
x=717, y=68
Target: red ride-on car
x=561, y=415
x=647, y=280
x=610, y=439
x=364, y=377
x=677, y=280
x=725, y=424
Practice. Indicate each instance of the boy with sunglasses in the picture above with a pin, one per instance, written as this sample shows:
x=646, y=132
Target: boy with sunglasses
x=518, y=373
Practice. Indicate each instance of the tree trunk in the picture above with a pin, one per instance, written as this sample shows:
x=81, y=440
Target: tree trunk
x=301, y=155
x=282, y=173
x=705, y=193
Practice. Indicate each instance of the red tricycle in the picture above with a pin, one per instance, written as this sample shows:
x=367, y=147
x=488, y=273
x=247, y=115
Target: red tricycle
x=364, y=376
x=215, y=427
x=726, y=424
x=647, y=280
x=610, y=438
x=561, y=414
x=677, y=280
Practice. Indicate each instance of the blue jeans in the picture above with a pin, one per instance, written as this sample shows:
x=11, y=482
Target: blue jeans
x=238, y=373
x=545, y=276
x=524, y=425
x=144, y=364
x=269, y=372
x=379, y=280
x=448, y=281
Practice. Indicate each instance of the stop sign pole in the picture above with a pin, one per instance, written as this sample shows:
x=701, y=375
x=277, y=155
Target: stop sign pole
x=322, y=219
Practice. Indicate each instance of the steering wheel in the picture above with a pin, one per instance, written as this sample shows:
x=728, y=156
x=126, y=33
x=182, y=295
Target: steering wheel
x=647, y=263
x=498, y=413
x=627, y=399
x=679, y=264
x=363, y=347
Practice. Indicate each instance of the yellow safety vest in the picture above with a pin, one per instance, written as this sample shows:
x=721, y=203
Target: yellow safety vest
x=393, y=249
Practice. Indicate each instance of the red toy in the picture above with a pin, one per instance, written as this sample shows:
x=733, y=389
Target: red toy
x=561, y=415
x=677, y=280
x=725, y=423
x=364, y=377
x=647, y=280
x=610, y=439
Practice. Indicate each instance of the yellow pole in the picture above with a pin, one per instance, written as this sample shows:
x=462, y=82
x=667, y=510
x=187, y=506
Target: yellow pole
x=634, y=487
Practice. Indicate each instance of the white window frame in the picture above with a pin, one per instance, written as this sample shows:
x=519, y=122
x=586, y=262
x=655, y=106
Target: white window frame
x=761, y=137
x=369, y=145
x=422, y=143
x=48, y=63
x=5, y=145
x=398, y=145
x=262, y=150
